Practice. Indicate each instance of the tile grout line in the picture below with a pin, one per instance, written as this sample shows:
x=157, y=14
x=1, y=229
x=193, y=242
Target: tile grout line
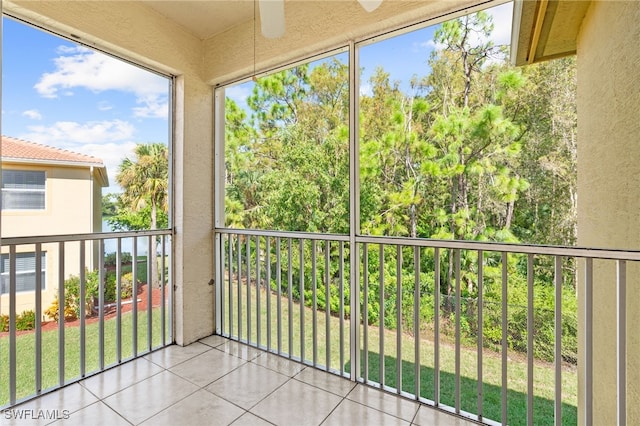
x=383, y=410
x=126, y=387
x=267, y=396
x=171, y=405
x=224, y=375
x=334, y=409
x=415, y=415
x=318, y=387
x=181, y=362
x=236, y=350
x=119, y=415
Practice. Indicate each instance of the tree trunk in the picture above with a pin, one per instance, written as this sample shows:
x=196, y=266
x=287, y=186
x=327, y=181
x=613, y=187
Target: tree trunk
x=509, y=218
x=414, y=221
x=152, y=256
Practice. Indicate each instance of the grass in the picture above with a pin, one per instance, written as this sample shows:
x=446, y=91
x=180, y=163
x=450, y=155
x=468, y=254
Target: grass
x=25, y=350
x=301, y=321
x=491, y=401
x=141, y=270
x=297, y=320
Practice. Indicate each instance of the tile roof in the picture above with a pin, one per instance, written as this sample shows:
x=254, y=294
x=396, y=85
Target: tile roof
x=13, y=148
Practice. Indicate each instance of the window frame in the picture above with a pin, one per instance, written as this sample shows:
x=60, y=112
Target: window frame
x=29, y=254
x=43, y=190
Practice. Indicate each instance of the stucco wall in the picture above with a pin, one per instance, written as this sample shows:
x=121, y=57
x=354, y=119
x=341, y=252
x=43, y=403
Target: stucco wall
x=193, y=176
x=68, y=210
x=27, y=300
x=68, y=205
x=609, y=186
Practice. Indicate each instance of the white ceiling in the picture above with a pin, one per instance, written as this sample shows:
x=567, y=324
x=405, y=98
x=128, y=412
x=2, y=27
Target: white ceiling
x=205, y=18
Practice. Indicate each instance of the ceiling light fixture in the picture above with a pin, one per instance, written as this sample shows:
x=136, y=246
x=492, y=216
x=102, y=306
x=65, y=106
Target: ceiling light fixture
x=272, y=18
x=370, y=5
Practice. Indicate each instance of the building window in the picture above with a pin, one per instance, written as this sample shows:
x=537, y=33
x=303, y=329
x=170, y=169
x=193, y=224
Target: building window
x=23, y=190
x=25, y=272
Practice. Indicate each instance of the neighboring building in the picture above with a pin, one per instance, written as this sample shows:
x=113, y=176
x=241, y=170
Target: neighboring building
x=46, y=191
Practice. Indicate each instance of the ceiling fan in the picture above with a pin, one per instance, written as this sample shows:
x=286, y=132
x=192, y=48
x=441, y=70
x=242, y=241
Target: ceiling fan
x=272, y=15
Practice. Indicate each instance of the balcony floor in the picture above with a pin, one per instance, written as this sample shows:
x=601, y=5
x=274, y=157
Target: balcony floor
x=218, y=381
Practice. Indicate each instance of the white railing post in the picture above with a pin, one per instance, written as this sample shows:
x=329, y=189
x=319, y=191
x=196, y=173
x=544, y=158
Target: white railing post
x=502, y=276
x=588, y=344
x=621, y=338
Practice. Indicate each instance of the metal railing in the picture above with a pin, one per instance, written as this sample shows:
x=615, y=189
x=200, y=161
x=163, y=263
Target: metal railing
x=288, y=293
x=92, y=333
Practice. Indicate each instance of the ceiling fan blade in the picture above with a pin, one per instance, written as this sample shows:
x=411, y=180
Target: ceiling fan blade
x=272, y=18
x=370, y=5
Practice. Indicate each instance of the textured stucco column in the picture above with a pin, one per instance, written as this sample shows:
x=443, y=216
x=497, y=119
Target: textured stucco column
x=609, y=190
x=193, y=174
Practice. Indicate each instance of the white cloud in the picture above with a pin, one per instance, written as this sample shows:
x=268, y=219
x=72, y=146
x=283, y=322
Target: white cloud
x=238, y=93
x=111, y=155
x=110, y=141
x=67, y=134
x=104, y=106
x=154, y=107
x=33, y=114
x=366, y=89
x=501, y=35
x=79, y=67
x=70, y=49
x=428, y=46
x=502, y=17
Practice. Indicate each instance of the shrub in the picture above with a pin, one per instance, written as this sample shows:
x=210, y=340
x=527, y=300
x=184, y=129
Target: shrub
x=92, y=287
x=72, y=292
x=109, y=288
x=52, y=311
x=110, y=259
x=26, y=321
x=126, y=285
x=4, y=323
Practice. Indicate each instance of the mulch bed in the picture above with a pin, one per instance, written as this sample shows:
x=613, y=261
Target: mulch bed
x=110, y=310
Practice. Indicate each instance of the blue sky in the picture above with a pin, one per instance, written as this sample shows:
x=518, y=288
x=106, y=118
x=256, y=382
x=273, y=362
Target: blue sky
x=401, y=56
x=64, y=95
x=58, y=93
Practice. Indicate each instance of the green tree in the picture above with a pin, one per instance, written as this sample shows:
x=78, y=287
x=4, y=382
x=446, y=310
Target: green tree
x=287, y=163
x=546, y=107
x=109, y=205
x=473, y=149
x=145, y=184
x=441, y=161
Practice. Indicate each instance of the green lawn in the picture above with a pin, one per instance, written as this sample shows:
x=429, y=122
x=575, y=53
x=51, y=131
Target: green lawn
x=25, y=349
x=141, y=270
x=516, y=400
x=330, y=347
x=544, y=378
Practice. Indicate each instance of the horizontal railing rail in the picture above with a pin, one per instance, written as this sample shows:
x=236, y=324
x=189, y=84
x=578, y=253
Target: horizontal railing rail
x=288, y=293
x=539, y=249
x=284, y=234
x=107, y=311
x=61, y=238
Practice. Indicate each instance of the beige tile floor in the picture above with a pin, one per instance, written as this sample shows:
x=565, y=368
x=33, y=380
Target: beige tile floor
x=220, y=382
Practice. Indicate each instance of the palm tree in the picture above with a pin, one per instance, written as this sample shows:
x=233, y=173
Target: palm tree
x=145, y=182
